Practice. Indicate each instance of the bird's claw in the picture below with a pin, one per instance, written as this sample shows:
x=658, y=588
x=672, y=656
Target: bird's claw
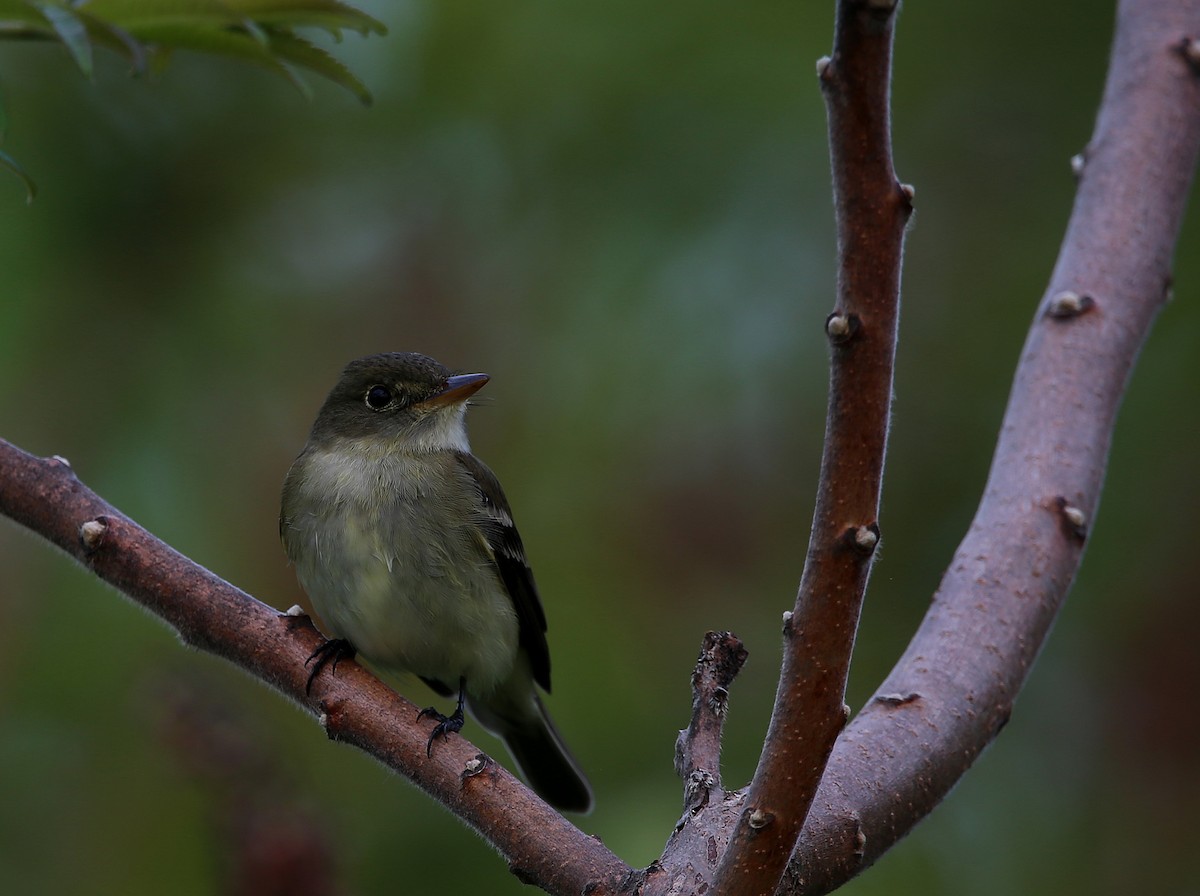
x=450, y=724
x=333, y=650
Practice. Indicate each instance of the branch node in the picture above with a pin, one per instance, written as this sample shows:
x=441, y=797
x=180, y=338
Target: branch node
x=1189, y=48
x=331, y=724
x=1078, y=163
x=91, y=534
x=824, y=64
x=863, y=539
x=758, y=819
x=59, y=459
x=477, y=764
x=718, y=701
x=1074, y=519
x=787, y=624
x=897, y=699
x=860, y=838
x=697, y=789
x=296, y=619
x=841, y=327
x=1068, y=304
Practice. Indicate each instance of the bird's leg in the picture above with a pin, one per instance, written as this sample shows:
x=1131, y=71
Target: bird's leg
x=445, y=724
x=333, y=650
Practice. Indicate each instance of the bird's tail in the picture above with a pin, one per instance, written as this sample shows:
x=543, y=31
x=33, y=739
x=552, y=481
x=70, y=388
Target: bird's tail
x=544, y=760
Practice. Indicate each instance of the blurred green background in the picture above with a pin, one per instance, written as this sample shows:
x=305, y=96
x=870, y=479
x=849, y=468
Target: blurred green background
x=621, y=212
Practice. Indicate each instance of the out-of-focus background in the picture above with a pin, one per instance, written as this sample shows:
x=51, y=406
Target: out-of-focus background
x=621, y=212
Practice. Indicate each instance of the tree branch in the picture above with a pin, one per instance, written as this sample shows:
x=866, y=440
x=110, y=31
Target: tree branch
x=540, y=846
x=709, y=813
x=954, y=687
x=871, y=210
x=698, y=749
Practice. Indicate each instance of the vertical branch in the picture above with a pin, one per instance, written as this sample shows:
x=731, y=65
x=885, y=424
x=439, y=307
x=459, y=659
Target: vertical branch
x=698, y=749
x=702, y=832
x=872, y=210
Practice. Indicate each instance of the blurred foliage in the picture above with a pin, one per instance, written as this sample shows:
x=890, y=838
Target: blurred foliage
x=146, y=32
x=621, y=212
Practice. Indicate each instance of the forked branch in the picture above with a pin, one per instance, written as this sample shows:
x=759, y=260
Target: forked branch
x=954, y=687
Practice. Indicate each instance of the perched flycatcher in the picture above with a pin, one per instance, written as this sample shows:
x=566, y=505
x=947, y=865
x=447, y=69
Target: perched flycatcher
x=405, y=543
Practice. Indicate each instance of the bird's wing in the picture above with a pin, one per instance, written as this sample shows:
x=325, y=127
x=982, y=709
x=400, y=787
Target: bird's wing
x=509, y=556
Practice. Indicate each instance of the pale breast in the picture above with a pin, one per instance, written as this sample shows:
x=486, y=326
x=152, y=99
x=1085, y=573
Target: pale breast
x=390, y=553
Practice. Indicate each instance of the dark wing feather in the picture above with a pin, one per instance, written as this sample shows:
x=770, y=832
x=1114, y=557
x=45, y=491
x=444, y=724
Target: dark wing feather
x=509, y=556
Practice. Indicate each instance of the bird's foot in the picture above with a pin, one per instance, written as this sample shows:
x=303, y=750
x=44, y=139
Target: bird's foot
x=450, y=724
x=333, y=650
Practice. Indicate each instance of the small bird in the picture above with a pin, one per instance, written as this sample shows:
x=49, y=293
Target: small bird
x=405, y=543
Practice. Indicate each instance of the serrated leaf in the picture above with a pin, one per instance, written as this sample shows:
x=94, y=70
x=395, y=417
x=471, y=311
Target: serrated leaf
x=234, y=43
x=259, y=31
x=10, y=163
x=308, y=55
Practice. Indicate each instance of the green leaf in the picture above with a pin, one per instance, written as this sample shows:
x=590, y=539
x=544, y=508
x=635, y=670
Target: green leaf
x=118, y=39
x=234, y=43
x=72, y=32
x=332, y=15
x=76, y=29
x=308, y=55
x=145, y=31
x=10, y=163
x=132, y=14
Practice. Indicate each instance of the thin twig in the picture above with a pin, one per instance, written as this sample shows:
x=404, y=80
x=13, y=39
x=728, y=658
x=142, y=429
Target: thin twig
x=353, y=706
x=698, y=749
x=709, y=813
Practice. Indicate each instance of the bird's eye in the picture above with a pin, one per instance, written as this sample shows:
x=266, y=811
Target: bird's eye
x=379, y=397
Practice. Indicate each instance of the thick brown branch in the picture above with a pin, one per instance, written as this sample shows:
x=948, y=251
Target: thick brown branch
x=540, y=846
x=872, y=209
x=955, y=685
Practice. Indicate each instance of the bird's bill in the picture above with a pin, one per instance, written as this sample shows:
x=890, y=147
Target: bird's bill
x=458, y=388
